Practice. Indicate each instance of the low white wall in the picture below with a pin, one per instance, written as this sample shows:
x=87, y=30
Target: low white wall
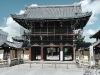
x=1, y=54
x=20, y=54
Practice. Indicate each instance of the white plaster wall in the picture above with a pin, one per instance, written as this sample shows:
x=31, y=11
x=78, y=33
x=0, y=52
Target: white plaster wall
x=1, y=54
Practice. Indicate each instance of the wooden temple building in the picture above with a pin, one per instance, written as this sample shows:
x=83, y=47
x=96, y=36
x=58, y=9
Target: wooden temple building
x=52, y=27
x=10, y=48
x=96, y=45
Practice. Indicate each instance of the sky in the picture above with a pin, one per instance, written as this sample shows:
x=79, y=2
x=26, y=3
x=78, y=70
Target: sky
x=8, y=7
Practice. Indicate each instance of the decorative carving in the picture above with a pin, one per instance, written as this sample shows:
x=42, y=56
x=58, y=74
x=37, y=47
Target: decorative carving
x=41, y=23
x=61, y=37
x=51, y=44
x=35, y=44
x=61, y=23
x=41, y=37
x=67, y=44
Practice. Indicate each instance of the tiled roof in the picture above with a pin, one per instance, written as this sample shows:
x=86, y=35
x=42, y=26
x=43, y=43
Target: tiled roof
x=12, y=44
x=18, y=44
x=18, y=38
x=96, y=35
x=53, y=12
x=83, y=45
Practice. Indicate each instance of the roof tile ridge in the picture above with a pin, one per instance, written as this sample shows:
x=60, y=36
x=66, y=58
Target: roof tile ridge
x=47, y=6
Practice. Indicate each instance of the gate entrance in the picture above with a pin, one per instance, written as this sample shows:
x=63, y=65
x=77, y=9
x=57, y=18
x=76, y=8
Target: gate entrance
x=35, y=53
x=52, y=53
x=68, y=53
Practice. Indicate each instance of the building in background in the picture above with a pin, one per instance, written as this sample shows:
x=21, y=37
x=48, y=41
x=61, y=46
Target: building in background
x=96, y=46
x=3, y=36
x=21, y=43
x=3, y=39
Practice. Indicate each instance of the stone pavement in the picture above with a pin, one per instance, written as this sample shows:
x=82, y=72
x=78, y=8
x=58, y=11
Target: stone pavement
x=42, y=69
x=55, y=57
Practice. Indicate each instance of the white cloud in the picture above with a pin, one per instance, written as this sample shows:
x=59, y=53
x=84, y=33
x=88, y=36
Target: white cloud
x=21, y=12
x=33, y=5
x=88, y=33
x=94, y=6
x=11, y=27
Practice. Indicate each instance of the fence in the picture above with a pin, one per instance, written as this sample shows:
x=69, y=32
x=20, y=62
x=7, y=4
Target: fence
x=46, y=65
x=11, y=62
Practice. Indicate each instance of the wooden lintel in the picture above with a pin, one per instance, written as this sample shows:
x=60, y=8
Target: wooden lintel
x=51, y=34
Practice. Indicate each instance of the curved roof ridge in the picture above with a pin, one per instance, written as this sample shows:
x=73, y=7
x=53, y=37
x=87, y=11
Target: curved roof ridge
x=71, y=5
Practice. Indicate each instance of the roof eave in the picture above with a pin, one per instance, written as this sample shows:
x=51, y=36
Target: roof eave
x=96, y=35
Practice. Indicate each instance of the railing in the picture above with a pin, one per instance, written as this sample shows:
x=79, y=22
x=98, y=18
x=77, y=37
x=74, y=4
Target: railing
x=12, y=62
x=3, y=63
x=46, y=65
x=16, y=61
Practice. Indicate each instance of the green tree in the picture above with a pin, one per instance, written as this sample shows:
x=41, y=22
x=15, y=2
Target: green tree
x=80, y=40
x=66, y=50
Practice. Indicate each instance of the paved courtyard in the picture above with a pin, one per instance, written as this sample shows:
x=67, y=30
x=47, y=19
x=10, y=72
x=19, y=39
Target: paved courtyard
x=56, y=57
x=41, y=69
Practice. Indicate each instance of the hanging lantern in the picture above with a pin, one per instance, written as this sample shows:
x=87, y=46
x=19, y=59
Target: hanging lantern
x=51, y=48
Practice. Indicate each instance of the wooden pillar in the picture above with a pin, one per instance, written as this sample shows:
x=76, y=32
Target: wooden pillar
x=45, y=53
x=12, y=53
x=41, y=51
x=30, y=53
x=56, y=51
x=15, y=53
x=73, y=53
x=92, y=62
x=23, y=53
x=52, y=53
x=61, y=52
x=33, y=53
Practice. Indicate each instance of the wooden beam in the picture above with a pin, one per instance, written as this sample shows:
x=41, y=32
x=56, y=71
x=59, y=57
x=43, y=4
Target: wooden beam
x=50, y=34
x=41, y=51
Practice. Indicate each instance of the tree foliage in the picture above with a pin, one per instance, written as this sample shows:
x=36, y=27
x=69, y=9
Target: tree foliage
x=66, y=50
